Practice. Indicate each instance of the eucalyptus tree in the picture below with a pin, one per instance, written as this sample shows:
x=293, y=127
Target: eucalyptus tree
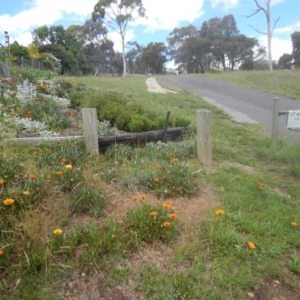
x=296, y=47
x=116, y=15
x=266, y=9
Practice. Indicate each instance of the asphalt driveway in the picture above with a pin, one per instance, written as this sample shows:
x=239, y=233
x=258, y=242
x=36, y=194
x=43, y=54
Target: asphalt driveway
x=255, y=104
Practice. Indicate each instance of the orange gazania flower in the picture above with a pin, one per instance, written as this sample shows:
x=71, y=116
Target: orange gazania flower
x=134, y=198
x=8, y=201
x=261, y=187
x=168, y=202
x=219, y=212
x=1, y=181
x=153, y=214
x=63, y=160
x=1, y=252
x=251, y=245
x=167, y=206
x=174, y=160
x=294, y=224
x=32, y=176
x=156, y=179
x=173, y=216
x=143, y=196
x=59, y=173
x=167, y=224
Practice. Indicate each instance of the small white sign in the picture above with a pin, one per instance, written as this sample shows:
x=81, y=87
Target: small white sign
x=293, y=120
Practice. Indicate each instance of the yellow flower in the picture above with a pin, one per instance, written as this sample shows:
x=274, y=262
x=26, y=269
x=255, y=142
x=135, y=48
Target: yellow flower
x=251, y=245
x=153, y=214
x=143, y=196
x=156, y=179
x=1, y=252
x=294, y=224
x=32, y=176
x=1, y=181
x=8, y=201
x=25, y=193
x=167, y=224
x=219, y=212
x=57, y=231
x=59, y=173
x=174, y=160
x=134, y=198
x=173, y=216
x=69, y=167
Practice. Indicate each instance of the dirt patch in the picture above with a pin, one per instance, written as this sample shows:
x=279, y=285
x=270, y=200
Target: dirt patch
x=92, y=286
x=274, y=289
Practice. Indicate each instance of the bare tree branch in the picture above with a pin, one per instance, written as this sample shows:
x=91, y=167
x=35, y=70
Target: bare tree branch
x=257, y=30
x=275, y=22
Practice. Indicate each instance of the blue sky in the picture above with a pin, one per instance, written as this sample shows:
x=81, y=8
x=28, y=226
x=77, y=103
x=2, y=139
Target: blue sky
x=20, y=17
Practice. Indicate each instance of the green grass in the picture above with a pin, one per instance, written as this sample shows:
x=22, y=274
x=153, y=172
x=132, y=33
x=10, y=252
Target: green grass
x=285, y=83
x=204, y=256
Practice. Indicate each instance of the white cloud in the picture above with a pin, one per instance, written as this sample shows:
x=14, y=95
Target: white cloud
x=167, y=14
x=289, y=28
x=279, y=46
x=274, y=2
x=225, y=4
x=44, y=12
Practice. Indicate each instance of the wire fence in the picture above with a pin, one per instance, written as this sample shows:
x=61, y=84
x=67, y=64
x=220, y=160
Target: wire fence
x=22, y=63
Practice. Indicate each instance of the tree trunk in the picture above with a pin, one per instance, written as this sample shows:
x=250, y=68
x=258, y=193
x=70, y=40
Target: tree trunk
x=123, y=54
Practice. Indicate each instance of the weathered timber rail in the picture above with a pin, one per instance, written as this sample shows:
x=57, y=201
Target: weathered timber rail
x=140, y=138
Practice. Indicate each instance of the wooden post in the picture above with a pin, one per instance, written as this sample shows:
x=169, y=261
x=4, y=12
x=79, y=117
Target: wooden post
x=275, y=122
x=166, y=127
x=204, y=144
x=90, y=130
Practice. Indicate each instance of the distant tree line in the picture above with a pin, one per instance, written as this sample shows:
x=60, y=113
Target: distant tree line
x=86, y=49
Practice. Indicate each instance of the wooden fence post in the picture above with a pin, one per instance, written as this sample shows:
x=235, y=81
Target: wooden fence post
x=90, y=130
x=275, y=122
x=204, y=144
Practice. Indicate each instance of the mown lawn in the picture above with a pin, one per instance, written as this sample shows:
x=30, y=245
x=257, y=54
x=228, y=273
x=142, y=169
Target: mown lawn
x=280, y=82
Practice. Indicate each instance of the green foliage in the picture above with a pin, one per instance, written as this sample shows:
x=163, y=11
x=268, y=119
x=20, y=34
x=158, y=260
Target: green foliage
x=86, y=200
x=35, y=74
x=152, y=223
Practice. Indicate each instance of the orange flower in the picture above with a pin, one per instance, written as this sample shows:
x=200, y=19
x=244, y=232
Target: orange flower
x=1, y=252
x=63, y=160
x=153, y=214
x=294, y=224
x=156, y=179
x=8, y=201
x=261, y=187
x=167, y=206
x=168, y=202
x=219, y=212
x=173, y=216
x=32, y=176
x=251, y=245
x=1, y=181
x=167, y=224
x=174, y=160
x=143, y=196
x=134, y=198
x=59, y=173
x=46, y=99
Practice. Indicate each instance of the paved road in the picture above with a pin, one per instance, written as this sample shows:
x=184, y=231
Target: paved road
x=253, y=103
